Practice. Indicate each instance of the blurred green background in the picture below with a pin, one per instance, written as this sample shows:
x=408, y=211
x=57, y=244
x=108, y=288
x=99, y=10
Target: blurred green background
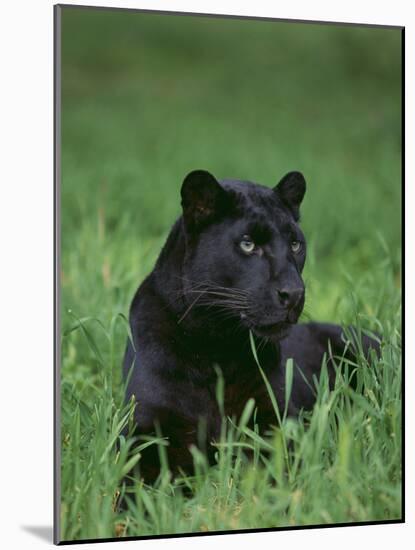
x=146, y=98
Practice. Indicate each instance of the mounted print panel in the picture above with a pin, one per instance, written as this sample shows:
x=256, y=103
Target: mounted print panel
x=228, y=256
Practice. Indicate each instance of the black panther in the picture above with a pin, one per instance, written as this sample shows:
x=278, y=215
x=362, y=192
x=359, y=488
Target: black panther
x=231, y=266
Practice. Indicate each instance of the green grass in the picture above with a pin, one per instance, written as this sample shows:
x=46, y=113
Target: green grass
x=146, y=99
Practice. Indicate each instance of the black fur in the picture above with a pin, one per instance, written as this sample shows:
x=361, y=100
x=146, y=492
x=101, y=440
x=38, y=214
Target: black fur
x=194, y=312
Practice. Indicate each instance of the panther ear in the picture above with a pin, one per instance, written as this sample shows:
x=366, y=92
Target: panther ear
x=203, y=199
x=291, y=190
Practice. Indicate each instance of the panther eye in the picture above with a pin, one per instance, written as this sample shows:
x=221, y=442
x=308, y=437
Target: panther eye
x=247, y=245
x=295, y=246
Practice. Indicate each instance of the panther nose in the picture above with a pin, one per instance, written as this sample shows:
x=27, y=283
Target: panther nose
x=290, y=297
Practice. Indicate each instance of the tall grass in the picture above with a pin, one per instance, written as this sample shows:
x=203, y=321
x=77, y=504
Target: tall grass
x=339, y=463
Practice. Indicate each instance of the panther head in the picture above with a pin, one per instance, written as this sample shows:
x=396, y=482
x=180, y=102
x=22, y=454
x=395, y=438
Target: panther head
x=244, y=251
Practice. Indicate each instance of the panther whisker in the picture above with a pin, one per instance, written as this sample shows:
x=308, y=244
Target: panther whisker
x=227, y=300
x=227, y=307
x=211, y=285
x=189, y=309
x=216, y=293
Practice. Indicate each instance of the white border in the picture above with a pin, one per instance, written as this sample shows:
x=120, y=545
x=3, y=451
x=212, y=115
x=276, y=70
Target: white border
x=26, y=266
